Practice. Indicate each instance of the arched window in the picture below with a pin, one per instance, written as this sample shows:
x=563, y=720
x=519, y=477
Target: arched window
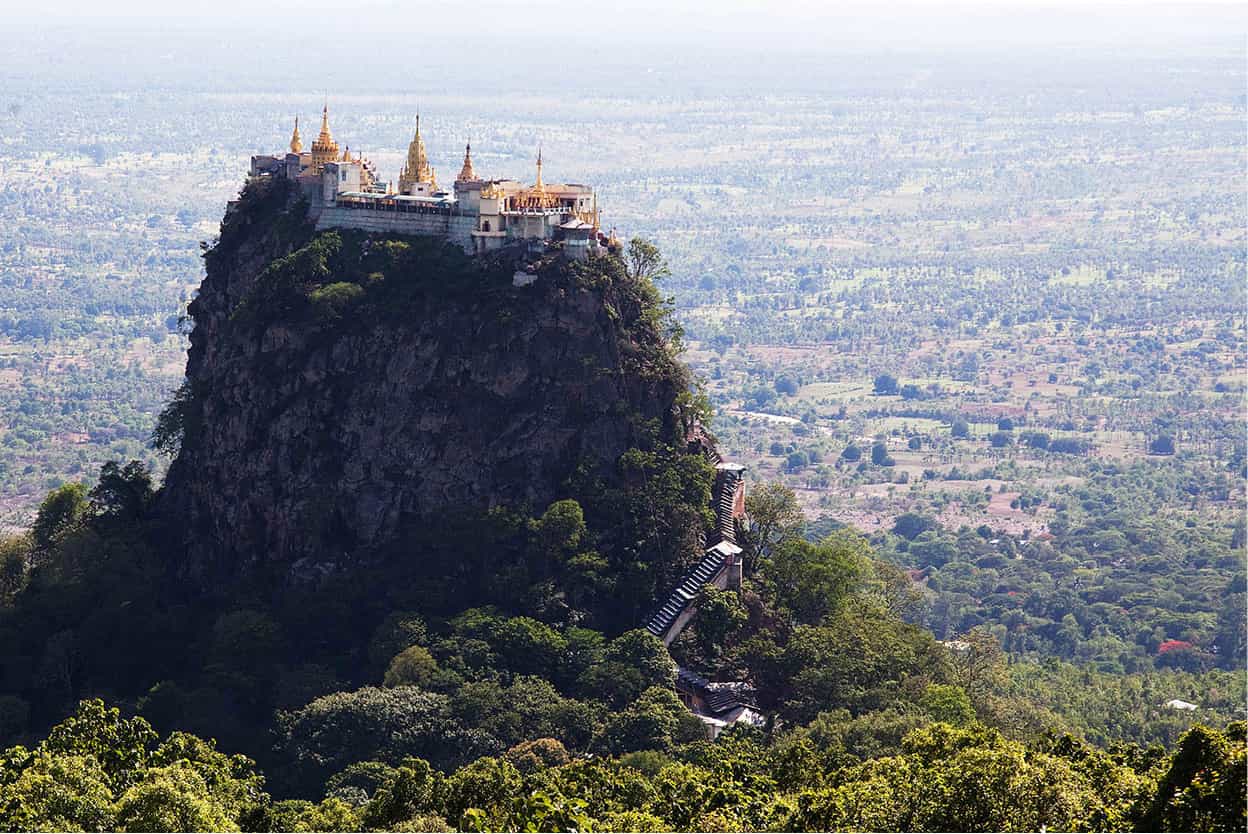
x=485, y=225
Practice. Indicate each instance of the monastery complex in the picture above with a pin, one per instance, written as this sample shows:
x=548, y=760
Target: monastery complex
x=343, y=191
x=479, y=215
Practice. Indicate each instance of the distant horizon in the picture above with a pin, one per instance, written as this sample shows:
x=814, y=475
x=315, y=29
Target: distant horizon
x=917, y=24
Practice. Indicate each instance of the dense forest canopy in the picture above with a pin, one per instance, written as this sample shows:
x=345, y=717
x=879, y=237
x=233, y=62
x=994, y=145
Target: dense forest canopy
x=489, y=720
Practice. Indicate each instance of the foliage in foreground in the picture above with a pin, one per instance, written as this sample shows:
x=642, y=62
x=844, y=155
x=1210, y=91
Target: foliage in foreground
x=98, y=770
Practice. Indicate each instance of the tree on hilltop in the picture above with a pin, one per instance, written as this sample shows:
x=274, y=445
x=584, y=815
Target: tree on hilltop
x=644, y=260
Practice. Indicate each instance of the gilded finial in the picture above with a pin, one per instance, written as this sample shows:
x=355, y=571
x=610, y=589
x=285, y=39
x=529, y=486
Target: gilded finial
x=296, y=141
x=416, y=169
x=466, y=173
x=326, y=138
x=324, y=149
x=538, y=186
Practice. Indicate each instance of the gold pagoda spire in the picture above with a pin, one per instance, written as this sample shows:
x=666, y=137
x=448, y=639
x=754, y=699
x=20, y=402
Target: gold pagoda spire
x=324, y=149
x=466, y=173
x=296, y=141
x=537, y=196
x=325, y=135
x=416, y=169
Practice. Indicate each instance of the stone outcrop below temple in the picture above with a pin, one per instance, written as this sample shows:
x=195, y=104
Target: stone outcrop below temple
x=343, y=387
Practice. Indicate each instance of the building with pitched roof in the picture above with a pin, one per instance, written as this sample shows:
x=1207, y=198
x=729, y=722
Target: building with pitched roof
x=479, y=215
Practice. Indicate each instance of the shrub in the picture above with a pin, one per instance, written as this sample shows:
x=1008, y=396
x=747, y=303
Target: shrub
x=332, y=300
x=413, y=666
x=1161, y=445
x=539, y=754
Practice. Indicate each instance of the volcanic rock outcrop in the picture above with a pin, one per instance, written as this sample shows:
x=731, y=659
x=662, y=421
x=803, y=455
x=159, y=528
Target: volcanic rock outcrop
x=343, y=387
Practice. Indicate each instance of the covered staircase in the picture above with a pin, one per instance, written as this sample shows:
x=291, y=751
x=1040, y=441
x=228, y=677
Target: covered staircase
x=720, y=565
x=686, y=592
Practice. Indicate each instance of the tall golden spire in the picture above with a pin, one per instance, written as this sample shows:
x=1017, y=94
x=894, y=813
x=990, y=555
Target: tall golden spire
x=324, y=149
x=296, y=141
x=538, y=186
x=325, y=135
x=416, y=169
x=466, y=173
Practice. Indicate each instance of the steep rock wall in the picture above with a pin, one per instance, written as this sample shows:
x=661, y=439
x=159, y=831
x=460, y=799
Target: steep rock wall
x=362, y=384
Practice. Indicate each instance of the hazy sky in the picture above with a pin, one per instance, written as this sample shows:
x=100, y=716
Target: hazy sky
x=772, y=23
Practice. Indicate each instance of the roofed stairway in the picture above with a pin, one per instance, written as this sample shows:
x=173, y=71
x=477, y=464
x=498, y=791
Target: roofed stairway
x=721, y=563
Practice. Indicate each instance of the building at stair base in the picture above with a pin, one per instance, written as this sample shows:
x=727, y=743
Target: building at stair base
x=718, y=705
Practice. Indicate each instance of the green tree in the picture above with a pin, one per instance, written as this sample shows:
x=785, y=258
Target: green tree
x=774, y=517
x=948, y=704
x=1203, y=786
x=632, y=663
x=488, y=785
x=655, y=721
x=98, y=771
x=560, y=530
x=387, y=725
x=879, y=454
x=644, y=260
x=62, y=511
x=122, y=494
x=174, y=798
x=398, y=631
x=332, y=300
x=720, y=614
x=977, y=662
x=414, y=666
x=175, y=421
x=812, y=579
x=14, y=566
x=122, y=746
x=858, y=659
x=48, y=792
x=330, y=814
x=910, y=525
x=541, y=753
x=530, y=647
x=410, y=790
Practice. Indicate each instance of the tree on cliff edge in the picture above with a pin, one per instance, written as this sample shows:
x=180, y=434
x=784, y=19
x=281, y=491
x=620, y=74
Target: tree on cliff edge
x=644, y=260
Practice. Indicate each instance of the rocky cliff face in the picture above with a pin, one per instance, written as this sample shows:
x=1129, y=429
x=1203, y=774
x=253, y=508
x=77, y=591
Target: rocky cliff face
x=342, y=388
